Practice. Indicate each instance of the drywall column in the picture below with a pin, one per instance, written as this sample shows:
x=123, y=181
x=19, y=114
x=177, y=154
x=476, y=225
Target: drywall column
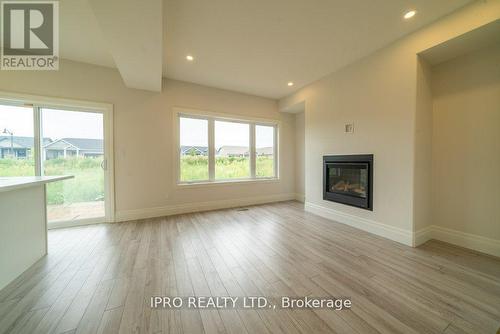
x=300, y=156
x=422, y=172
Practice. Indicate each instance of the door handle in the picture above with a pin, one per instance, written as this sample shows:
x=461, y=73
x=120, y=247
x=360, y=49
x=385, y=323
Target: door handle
x=104, y=164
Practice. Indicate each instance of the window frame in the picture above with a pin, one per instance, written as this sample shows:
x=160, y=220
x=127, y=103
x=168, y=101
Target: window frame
x=211, y=117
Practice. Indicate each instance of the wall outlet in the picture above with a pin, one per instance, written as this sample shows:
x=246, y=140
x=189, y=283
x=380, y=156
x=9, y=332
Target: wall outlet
x=349, y=128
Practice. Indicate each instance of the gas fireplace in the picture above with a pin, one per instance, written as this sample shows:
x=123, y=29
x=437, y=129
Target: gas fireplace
x=348, y=179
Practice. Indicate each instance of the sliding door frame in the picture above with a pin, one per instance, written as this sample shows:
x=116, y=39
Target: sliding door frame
x=106, y=109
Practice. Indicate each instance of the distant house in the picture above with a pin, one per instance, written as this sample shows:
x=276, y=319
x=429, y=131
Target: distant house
x=242, y=151
x=233, y=151
x=265, y=151
x=74, y=147
x=17, y=147
x=194, y=150
x=226, y=151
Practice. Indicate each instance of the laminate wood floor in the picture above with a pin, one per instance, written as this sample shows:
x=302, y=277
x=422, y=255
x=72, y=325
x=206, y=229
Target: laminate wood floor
x=99, y=278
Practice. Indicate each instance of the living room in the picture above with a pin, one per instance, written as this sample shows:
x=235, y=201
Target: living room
x=311, y=166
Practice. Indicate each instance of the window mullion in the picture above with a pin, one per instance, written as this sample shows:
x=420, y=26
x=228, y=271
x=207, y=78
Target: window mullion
x=252, y=151
x=275, y=151
x=211, y=149
x=38, y=141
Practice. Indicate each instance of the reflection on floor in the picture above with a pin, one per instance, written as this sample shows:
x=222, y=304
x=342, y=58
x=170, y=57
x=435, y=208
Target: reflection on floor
x=75, y=211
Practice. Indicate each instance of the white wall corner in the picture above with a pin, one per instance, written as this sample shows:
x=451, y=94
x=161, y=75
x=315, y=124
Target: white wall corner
x=137, y=49
x=390, y=232
x=422, y=236
x=294, y=108
x=300, y=197
x=169, y=210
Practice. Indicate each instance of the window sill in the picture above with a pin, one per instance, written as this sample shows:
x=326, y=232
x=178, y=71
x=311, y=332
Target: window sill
x=226, y=182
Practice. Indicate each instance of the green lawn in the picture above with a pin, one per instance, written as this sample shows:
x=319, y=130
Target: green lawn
x=87, y=186
x=195, y=168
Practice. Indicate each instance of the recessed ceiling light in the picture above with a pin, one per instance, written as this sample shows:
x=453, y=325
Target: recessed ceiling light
x=290, y=83
x=410, y=14
x=189, y=58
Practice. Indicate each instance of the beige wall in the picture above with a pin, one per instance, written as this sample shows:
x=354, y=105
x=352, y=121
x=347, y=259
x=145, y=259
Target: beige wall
x=466, y=143
x=300, y=155
x=422, y=184
x=143, y=132
x=358, y=94
x=379, y=95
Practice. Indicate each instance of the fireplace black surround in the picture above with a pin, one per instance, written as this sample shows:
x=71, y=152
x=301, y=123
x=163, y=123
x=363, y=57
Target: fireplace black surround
x=348, y=179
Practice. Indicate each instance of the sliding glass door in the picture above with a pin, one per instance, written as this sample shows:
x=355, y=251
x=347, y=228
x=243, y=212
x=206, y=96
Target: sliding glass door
x=57, y=139
x=74, y=145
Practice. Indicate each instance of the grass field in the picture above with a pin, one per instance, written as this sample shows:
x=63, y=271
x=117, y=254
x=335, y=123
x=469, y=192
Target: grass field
x=195, y=168
x=87, y=186
x=12, y=167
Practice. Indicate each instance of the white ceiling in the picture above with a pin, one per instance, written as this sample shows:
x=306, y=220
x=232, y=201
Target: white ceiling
x=257, y=46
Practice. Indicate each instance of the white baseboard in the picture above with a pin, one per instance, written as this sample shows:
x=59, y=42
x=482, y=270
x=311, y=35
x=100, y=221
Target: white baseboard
x=199, y=206
x=300, y=197
x=390, y=232
x=462, y=239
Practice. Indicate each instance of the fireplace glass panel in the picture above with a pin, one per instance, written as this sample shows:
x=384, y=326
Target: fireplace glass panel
x=348, y=179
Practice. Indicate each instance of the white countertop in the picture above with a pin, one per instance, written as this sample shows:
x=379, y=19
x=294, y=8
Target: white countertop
x=12, y=183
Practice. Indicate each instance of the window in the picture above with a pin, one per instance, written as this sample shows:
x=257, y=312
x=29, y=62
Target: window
x=193, y=149
x=218, y=149
x=264, y=149
x=232, y=150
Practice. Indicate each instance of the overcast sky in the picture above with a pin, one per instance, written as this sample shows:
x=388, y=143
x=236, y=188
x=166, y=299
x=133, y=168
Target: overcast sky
x=55, y=123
